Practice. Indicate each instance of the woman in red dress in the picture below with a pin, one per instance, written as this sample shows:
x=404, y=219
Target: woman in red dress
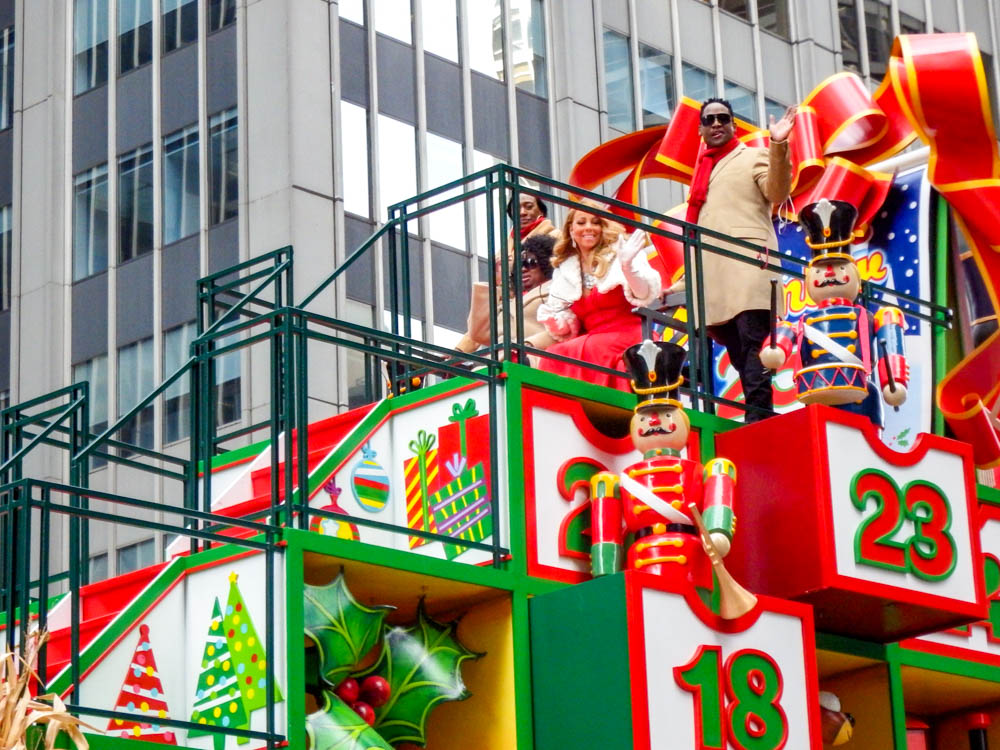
x=599, y=276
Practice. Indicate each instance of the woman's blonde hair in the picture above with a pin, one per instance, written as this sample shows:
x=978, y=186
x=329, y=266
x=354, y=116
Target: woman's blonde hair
x=603, y=253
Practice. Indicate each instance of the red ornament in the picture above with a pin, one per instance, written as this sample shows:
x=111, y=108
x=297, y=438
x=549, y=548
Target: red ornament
x=348, y=690
x=365, y=711
x=375, y=690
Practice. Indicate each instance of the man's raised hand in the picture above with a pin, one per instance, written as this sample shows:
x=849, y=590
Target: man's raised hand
x=781, y=128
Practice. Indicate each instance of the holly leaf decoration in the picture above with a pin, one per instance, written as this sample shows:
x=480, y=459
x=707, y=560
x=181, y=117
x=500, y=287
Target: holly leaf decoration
x=343, y=630
x=337, y=727
x=422, y=664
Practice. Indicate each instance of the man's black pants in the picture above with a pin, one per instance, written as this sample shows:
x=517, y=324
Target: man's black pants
x=743, y=336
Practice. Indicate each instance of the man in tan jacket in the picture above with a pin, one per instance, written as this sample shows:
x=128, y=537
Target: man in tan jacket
x=733, y=191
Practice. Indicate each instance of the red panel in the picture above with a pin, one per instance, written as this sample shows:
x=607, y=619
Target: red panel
x=784, y=544
x=782, y=498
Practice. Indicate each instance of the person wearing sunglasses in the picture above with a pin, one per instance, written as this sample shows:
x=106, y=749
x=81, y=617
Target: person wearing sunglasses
x=733, y=191
x=535, y=270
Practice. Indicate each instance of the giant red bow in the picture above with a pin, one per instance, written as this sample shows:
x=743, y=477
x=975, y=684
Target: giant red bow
x=935, y=89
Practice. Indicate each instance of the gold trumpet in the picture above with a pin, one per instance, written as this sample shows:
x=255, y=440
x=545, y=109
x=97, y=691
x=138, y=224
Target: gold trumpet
x=734, y=600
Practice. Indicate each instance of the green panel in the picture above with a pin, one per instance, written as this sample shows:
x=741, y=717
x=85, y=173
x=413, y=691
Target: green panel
x=579, y=658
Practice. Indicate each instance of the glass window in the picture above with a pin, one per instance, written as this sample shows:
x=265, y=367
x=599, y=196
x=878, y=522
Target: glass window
x=6, y=256
x=136, y=556
x=397, y=163
x=221, y=13
x=773, y=109
x=480, y=161
x=910, y=25
x=527, y=45
x=180, y=23
x=440, y=28
x=392, y=18
x=354, y=10
x=774, y=17
x=177, y=398
x=444, y=164
x=850, y=45
x=223, y=162
x=618, y=81
x=485, y=33
x=878, y=30
x=736, y=7
x=656, y=79
x=697, y=83
x=354, y=158
x=135, y=33
x=135, y=203
x=180, y=184
x=228, y=398
x=90, y=222
x=135, y=381
x=7, y=78
x=744, y=101
x=90, y=44
x=98, y=567
x=95, y=371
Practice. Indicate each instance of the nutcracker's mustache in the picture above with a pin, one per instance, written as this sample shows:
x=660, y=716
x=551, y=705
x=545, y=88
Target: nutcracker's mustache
x=658, y=431
x=830, y=282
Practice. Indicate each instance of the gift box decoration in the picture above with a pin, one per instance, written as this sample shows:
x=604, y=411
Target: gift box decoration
x=461, y=509
x=420, y=475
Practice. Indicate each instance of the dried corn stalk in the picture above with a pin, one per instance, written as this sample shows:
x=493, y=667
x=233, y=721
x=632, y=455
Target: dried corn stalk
x=19, y=711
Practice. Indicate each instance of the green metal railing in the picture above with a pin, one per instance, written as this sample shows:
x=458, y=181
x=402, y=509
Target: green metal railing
x=251, y=306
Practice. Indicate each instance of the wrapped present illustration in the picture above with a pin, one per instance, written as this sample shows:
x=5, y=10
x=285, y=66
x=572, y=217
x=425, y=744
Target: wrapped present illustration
x=467, y=433
x=461, y=509
x=420, y=475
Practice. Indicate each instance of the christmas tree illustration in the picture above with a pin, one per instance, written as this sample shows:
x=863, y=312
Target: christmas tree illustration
x=142, y=694
x=247, y=651
x=233, y=679
x=218, y=700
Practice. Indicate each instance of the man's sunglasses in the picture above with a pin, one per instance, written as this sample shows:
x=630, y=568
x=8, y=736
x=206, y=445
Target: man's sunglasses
x=528, y=262
x=723, y=118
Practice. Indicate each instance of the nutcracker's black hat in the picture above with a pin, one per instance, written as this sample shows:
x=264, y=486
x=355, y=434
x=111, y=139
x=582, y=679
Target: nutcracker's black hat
x=656, y=373
x=829, y=225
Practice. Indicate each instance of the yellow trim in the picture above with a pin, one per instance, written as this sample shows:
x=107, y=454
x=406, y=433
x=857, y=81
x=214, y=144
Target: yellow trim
x=984, y=98
x=995, y=303
x=679, y=559
x=833, y=316
x=830, y=256
x=952, y=187
x=675, y=468
x=823, y=86
x=818, y=352
x=675, y=489
x=657, y=388
x=643, y=546
x=851, y=121
x=649, y=403
x=682, y=168
x=835, y=388
x=813, y=368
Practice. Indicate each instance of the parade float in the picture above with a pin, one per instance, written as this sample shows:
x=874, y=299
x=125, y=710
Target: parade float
x=493, y=556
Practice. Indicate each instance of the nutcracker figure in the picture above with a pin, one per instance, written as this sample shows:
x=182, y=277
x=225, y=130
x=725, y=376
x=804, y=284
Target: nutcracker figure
x=650, y=499
x=838, y=339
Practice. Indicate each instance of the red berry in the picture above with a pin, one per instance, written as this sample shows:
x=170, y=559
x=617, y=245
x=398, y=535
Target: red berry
x=375, y=690
x=348, y=690
x=365, y=711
